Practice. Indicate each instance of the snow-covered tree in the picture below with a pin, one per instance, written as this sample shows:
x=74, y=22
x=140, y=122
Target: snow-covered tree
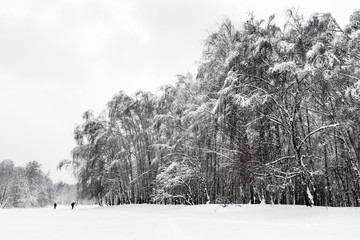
x=271, y=116
x=24, y=186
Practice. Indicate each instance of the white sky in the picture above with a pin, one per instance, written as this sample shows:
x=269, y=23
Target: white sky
x=59, y=58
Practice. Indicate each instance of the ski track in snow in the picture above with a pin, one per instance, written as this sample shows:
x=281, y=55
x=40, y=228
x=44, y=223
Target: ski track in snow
x=180, y=222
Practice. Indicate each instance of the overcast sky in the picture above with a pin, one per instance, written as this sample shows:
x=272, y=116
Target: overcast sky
x=59, y=58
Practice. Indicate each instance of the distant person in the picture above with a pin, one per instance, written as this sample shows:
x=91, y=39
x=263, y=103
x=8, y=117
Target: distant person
x=72, y=205
x=55, y=205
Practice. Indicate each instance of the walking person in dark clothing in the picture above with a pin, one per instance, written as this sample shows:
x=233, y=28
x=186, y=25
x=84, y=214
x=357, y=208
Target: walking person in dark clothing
x=72, y=205
x=55, y=205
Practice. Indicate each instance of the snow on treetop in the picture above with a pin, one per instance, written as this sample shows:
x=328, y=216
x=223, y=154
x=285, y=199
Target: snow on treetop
x=284, y=66
x=316, y=50
x=285, y=47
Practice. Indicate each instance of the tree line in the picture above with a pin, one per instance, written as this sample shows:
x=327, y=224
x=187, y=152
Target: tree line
x=24, y=186
x=29, y=186
x=271, y=116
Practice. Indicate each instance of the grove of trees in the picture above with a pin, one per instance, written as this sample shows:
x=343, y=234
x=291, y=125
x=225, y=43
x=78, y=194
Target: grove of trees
x=271, y=116
x=28, y=186
x=24, y=186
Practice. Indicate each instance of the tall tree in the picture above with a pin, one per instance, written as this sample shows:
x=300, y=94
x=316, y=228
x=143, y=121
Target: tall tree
x=270, y=117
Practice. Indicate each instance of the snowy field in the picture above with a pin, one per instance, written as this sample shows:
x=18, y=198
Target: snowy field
x=180, y=222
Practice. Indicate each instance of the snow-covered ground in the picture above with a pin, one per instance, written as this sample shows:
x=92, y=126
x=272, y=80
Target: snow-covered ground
x=180, y=222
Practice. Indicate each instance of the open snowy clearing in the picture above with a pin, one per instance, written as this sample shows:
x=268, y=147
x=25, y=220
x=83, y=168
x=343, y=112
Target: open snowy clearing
x=180, y=222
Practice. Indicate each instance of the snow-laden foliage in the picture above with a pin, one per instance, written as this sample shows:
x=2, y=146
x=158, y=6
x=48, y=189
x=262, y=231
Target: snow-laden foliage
x=24, y=186
x=271, y=116
x=354, y=91
x=286, y=48
x=284, y=67
x=261, y=44
x=354, y=23
x=316, y=50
